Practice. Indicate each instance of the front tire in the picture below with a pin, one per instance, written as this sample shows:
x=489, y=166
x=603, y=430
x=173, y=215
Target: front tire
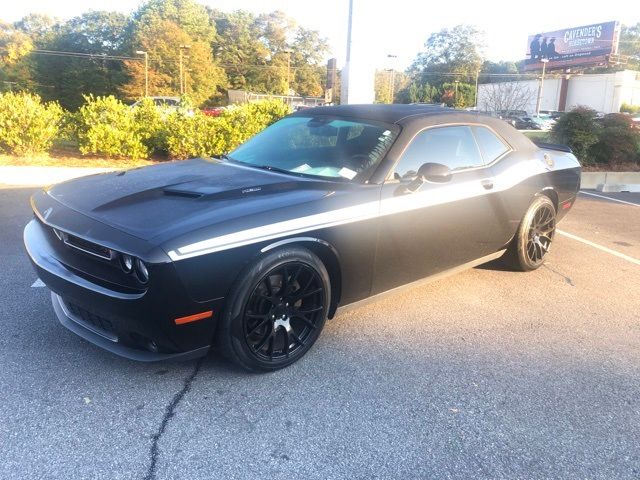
x=276, y=310
x=533, y=239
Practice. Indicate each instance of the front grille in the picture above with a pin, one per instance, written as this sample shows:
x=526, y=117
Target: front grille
x=96, y=323
x=86, y=246
x=91, y=261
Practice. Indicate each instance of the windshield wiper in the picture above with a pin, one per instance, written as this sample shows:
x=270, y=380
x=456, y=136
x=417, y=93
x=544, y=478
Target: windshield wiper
x=276, y=169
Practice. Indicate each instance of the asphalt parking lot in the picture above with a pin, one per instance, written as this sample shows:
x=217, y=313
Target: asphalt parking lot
x=487, y=374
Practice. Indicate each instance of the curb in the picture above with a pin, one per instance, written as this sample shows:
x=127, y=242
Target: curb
x=38, y=176
x=618, y=187
x=599, y=180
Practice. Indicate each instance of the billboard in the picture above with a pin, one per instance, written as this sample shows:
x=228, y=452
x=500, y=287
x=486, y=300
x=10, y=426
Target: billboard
x=587, y=45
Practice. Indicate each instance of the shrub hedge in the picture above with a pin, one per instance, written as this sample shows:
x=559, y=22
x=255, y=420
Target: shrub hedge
x=106, y=126
x=618, y=141
x=611, y=140
x=28, y=126
x=577, y=129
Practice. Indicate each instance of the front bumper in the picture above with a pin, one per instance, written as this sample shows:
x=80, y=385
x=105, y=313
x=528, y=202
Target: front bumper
x=107, y=341
x=138, y=326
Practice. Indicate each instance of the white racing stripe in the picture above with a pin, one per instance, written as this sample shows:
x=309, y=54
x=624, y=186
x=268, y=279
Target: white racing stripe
x=404, y=203
x=599, y=247
x=609, y=198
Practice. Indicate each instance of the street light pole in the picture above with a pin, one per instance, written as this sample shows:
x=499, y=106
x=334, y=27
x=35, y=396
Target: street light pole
x=182, y=48
x=540, y=86
x=146, y=70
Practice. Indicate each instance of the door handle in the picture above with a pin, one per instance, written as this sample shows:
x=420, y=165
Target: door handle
x=487, y=184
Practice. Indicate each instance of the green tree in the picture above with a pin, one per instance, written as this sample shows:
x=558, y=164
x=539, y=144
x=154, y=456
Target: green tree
x=458, y=95
x=269, y=53
x=189, y=15
x=15, y=68
x=457, y=50
x=415, y=92
x=160, y=28
x=382, y=86
x=68, y=78
x=501, y=71
x=308, y=50
x=238, y=48
x=630, y=45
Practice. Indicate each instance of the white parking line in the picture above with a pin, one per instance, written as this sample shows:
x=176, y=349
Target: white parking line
x=38, y=284
x=610, y=198
x=600, y=247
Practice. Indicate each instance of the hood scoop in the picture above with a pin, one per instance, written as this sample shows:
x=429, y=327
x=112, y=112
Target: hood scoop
x=177, y=192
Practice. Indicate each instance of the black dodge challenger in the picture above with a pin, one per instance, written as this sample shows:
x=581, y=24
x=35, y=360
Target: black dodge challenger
x=330, y=206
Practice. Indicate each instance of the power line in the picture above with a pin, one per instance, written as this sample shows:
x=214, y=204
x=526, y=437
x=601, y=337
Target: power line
x=99, y=56
x=104, y=56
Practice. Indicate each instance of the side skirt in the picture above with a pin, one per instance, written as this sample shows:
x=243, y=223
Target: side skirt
x=438, y=276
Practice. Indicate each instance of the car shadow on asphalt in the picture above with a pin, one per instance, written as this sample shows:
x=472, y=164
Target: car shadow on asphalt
x=496, y=265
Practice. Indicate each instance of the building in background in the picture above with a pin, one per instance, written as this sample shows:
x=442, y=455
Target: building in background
x=561, y=56
x=605, y=92
x=295, y=101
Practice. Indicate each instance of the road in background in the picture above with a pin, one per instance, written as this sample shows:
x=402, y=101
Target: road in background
x=486, y=374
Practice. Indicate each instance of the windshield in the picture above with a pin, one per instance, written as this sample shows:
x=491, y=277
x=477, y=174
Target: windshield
x=319, y=146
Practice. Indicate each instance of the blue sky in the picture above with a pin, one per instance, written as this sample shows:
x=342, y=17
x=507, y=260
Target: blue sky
x=397, y=27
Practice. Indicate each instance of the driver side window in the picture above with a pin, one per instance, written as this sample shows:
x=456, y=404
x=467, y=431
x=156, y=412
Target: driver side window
x=453, y=146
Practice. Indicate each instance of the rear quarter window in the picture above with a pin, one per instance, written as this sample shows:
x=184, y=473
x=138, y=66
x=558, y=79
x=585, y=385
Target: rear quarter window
x=491, y=146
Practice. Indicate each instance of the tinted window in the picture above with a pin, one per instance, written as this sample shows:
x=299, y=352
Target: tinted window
x=490, y=145
x=454, y=147
x=319, y=146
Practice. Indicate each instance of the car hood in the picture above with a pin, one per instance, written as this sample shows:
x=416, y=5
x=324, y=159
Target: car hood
x=165, y=200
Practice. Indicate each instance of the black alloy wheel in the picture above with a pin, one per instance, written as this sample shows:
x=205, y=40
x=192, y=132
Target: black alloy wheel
x=276, y=311
x=283, y=311
x=541, y=232
x=534, y=237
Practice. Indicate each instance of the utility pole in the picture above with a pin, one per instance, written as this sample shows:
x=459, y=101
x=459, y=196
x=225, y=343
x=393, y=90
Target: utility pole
x=541, y=85
x=186, y=76
x=288, y=51
x=393, y=76
x=182, y=48
x=358, y=73
x=456, y=82
x=476, y=94
x=146, y=70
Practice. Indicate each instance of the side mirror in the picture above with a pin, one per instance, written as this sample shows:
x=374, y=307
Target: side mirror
x=428, y=172
x=435, y=172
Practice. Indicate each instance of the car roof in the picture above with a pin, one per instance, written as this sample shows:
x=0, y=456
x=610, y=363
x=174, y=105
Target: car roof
x=380, y=112
x=417, y=116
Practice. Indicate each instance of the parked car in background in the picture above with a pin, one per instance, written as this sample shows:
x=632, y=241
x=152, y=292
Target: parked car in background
x=213, y=111
x=511, y=113
x=325, y=208
x=168, y=105
x=553, y=114
x=545, y=121
x=524, y=123
x=163, y=102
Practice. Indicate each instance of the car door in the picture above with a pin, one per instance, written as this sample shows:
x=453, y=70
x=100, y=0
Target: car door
x=441, y=225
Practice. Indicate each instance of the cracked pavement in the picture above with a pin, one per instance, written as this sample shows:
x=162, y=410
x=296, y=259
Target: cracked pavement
x=487, y=374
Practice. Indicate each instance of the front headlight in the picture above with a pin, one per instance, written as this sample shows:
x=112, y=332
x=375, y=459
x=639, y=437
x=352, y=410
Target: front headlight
x=141, y=271
x=126, y=262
